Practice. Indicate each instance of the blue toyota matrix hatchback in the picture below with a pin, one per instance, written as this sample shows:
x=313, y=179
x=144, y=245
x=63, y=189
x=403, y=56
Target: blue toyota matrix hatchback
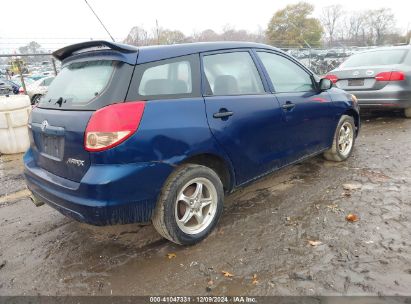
x=161, y=133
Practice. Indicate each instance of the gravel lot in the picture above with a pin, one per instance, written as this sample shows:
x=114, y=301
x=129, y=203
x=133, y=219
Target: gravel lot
x=262, y=239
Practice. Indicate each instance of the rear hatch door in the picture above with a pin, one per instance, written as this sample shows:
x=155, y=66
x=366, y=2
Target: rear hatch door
x=57, y=143
x=57, y=126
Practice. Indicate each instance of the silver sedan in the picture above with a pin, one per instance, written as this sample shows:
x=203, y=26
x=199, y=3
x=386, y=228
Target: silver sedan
x=380, y=78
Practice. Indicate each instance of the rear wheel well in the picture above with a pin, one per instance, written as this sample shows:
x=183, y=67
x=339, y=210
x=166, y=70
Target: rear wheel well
x=356, y=117
x=215, y=163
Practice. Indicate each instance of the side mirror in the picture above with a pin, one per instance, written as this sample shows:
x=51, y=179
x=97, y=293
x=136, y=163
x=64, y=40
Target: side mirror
x=325, y=84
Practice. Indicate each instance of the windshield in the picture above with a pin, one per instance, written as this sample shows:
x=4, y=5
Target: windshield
x=79, y=83
x=374, y=58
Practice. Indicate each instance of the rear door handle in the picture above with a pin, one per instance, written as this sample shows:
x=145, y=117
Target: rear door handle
x=288, y=106
x=223, y=114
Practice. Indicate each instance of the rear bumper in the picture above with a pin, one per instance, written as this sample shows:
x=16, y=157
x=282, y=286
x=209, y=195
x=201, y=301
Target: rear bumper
x=107, y=194
x=395, y=98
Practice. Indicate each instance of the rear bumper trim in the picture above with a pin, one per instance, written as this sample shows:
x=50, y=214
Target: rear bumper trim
x=106, y=195
x=138, y=212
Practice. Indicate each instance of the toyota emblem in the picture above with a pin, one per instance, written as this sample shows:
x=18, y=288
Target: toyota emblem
x=44, y=125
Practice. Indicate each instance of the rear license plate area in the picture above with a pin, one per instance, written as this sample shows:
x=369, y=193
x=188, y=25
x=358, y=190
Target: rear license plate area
x=355, y=82
x=52, y=146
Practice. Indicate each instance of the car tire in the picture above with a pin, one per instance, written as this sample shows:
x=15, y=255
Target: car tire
x=343, y=141
x=407, y=112
x=182, y=204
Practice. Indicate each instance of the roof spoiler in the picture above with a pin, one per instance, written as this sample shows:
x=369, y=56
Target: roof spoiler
x=70, y=50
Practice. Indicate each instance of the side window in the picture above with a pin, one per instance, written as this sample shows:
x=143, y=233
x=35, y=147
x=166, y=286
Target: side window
x=232, y=74
x=285, y=75
x=173, y=78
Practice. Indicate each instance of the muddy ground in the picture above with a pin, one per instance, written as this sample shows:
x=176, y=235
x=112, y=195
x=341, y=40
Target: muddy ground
x=262, y=239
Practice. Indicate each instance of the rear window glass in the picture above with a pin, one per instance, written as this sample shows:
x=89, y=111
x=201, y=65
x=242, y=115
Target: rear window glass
x=166, y=79
x=374, y=58
x=79, y=83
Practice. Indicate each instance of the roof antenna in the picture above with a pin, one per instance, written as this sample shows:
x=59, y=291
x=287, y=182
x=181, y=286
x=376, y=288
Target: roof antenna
x=99, y=21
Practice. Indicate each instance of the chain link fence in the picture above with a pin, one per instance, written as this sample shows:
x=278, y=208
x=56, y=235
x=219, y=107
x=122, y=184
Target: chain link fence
x=320, y=61
x=323, y=60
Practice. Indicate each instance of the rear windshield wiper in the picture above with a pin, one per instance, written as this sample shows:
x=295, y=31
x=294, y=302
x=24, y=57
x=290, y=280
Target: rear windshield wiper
x=59, y=101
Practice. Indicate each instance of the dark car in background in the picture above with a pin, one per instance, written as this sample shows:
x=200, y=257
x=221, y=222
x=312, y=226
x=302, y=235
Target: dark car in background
x=5, y=87
x=379, y=78
x=15, y=87
x=127, y=134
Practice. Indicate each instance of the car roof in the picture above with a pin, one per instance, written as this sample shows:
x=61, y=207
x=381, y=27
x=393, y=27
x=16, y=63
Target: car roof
x=159, y=52
x=151, y=53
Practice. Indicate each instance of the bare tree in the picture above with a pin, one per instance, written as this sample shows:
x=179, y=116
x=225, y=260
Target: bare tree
x=138, y=36
x=228, y=33
x=329, y=19
x=171, y=37
x=381, y=22
x=206, y=35
x=356, y=25
x=32, y=48
x=369, y=27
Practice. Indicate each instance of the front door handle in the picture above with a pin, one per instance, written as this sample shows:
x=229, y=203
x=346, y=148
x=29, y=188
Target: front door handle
x=223, y=114
x=288, y=106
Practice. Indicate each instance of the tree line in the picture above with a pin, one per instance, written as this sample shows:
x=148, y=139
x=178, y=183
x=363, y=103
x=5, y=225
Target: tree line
x=295, y=27
x=159, y=35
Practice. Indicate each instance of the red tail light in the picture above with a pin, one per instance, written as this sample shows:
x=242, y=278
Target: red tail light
x=111, y=125
x=21, y=90
x=390, y=76
x=331, y=77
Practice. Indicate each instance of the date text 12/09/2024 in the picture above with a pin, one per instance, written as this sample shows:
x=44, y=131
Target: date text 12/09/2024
x=203, y=299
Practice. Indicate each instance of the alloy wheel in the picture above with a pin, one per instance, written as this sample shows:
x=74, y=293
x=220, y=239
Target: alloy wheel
x=196, y=205
x=345, y=139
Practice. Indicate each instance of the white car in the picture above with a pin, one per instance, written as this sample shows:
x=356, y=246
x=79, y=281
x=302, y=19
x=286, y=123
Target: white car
x=38, y=89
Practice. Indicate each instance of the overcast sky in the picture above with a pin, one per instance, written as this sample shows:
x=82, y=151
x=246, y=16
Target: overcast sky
x=54, y=23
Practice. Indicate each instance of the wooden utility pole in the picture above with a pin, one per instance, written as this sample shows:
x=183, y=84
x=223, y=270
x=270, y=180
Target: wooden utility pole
x=53, y=62
x=158, y=32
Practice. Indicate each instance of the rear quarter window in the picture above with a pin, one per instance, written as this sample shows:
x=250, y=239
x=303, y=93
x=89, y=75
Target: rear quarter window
x=166, y=79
